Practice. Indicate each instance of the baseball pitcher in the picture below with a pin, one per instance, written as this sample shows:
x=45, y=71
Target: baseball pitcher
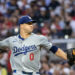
x=25, y=48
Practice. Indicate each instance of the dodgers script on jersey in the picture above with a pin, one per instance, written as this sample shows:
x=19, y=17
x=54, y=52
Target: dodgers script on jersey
x=25, y=54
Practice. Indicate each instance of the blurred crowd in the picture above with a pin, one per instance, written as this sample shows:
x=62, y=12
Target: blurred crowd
x=55, y=18
x=47, y=67
x=55, y=68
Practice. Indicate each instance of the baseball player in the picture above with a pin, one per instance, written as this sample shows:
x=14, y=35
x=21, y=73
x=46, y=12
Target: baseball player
x=25, y=47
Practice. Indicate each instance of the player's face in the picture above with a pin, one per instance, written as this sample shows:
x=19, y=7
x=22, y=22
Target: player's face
x=27, y=27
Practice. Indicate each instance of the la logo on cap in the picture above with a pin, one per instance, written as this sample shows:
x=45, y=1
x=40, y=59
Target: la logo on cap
x=29, y=17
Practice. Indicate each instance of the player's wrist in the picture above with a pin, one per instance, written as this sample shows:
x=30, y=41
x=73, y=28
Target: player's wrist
x=54, y=49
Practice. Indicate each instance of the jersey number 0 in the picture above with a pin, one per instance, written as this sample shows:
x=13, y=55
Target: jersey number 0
x=31, y=56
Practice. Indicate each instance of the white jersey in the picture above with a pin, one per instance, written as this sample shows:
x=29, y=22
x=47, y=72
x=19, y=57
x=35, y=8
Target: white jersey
x=25, y=55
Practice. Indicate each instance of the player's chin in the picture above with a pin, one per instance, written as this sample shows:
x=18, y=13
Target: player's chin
x=30, y=32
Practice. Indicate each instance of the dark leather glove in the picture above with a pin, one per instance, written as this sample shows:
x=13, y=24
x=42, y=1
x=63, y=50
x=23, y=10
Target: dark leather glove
x=71, y=56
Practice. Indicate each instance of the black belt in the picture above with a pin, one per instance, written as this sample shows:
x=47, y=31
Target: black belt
x=30, y=73
x=23, y=72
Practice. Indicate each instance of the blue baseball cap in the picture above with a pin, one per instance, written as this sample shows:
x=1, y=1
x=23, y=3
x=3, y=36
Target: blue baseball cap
x=25, y=19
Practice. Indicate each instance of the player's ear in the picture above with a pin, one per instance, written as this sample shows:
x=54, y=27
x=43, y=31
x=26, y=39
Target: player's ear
x=21, y=25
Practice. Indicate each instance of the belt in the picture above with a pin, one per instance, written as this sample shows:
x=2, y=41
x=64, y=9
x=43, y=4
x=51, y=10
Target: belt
x=23, y=72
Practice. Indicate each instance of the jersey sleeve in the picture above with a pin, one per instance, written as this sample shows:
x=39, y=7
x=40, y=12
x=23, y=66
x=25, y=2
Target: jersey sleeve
x=45, y=43
x=4, y=43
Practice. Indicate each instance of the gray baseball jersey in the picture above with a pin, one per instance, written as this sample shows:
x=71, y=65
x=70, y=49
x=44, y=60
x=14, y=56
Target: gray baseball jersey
x=25, y=55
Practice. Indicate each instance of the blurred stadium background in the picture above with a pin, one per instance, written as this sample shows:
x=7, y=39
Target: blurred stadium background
x=55, y=20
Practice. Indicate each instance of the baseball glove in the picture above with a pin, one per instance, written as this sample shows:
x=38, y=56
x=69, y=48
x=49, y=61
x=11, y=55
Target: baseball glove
x=71, y=56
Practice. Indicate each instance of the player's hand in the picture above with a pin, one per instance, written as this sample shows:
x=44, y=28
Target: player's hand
x=71, y=56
